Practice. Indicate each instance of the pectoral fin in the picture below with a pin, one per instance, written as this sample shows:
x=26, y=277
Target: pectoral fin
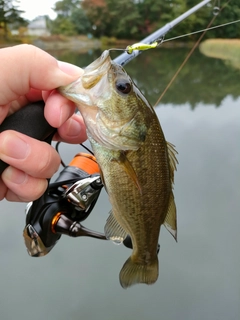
x=103, y=180
x=128, y=168
x=170, y=221
x=113, y=230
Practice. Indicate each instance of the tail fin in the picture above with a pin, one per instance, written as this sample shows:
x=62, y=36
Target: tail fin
x=133, y=273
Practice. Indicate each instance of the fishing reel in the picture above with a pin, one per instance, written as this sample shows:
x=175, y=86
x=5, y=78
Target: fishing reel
x=66, y=203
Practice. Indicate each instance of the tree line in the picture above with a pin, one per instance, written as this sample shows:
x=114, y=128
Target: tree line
x=128, y=19
x=135, y=19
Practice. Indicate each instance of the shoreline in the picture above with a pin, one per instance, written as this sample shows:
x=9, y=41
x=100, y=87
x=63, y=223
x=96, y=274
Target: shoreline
x=82, y=43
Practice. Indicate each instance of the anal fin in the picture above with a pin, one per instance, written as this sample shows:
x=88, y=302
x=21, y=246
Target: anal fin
x=113, y=230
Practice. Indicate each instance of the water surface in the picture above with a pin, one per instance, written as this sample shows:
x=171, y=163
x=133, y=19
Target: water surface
x=200, y=275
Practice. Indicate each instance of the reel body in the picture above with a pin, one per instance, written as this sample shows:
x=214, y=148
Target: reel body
x=66, y=203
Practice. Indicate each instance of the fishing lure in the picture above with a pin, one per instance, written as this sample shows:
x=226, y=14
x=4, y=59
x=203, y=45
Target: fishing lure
x=141, y=46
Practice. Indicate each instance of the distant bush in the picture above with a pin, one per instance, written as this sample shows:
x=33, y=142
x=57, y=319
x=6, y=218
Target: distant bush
x=108, y=41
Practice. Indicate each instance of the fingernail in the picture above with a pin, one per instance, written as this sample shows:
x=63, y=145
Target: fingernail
x=15, y=147
x=70, y=69
x=14, y=175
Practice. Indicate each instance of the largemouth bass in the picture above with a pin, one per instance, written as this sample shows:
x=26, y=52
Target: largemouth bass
x=137, y=163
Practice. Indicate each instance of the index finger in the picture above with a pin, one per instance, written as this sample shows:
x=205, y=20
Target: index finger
x=24, y=67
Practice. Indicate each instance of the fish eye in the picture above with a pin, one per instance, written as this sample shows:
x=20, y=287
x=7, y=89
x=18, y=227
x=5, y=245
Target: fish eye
x=123, y=87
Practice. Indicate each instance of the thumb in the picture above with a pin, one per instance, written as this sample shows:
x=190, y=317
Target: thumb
x=25, y=66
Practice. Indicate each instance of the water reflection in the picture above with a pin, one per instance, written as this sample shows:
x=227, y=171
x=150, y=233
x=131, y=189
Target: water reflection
x=80, y=59
x=199, y=276
x=202, y=80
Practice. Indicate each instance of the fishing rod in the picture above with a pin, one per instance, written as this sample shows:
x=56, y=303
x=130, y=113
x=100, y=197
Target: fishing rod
x=71, y=197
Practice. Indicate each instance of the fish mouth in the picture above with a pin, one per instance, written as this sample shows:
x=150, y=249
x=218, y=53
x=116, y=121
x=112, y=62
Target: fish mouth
x=77, y=91
x=96, y=70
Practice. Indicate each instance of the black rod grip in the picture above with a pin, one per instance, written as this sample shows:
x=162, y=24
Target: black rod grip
x=30, y=121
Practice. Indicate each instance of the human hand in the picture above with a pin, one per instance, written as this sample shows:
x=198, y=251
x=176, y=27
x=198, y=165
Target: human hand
x=29, y=74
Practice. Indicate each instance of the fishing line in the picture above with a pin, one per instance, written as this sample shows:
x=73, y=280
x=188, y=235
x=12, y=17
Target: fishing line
x=86, y=148
x=207, y=29
x=190, y=53
x=57, y=149
x=81, y=144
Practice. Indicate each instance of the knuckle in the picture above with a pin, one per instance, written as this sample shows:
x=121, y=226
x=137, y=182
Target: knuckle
x=48, y=164
x=35, y=189
x=32, y=190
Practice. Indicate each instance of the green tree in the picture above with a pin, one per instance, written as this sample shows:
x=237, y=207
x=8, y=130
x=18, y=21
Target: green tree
x=62, y=25
x=113, y=18
x=201, y=18
x=230, y=12
x=64, y=7
x=124, y=18
x=71, y=18
x=80, y=21
x=98, y=15
x=150, y=12
x=10, y=15
x=138, y=18
x=131, y=18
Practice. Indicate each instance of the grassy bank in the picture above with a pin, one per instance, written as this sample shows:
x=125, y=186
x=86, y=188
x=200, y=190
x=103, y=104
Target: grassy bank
x=226, y=49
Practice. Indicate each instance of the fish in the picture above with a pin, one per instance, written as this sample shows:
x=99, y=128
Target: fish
x=137, y=163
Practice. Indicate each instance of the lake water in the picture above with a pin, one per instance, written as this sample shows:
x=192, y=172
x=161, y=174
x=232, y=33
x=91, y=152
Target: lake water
x=200, y=275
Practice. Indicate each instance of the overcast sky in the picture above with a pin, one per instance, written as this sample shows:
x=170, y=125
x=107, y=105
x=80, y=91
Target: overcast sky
x=37, y=8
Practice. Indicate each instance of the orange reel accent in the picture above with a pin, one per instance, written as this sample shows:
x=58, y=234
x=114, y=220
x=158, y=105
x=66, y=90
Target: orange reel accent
x=85, y=162
x=55, y=220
